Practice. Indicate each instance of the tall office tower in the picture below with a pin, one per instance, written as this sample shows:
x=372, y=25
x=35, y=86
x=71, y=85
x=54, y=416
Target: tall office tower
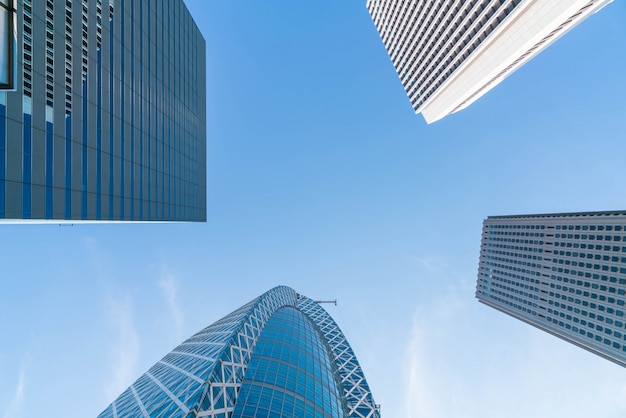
x=448, y=53
x=564, y=273
x=106, y=120
x=280, y=355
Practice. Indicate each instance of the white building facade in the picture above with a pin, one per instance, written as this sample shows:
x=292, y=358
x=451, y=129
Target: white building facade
x=563, y=273
x=449, y=53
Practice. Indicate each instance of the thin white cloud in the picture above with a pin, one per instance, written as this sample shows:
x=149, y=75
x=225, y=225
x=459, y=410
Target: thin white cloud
x=430, y=263
x=169, y=284
x=125, y=350
x=15, y=407
x=418, y=400
x=464, y=360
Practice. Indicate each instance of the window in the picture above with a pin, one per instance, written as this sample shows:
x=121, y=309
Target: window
x=7, y=45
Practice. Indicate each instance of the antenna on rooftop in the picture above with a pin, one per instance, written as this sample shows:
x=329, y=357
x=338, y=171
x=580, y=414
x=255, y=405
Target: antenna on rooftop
x=334, y=302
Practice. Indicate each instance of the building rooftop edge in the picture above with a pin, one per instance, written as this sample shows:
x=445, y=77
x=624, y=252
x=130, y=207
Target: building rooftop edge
x=562, y=214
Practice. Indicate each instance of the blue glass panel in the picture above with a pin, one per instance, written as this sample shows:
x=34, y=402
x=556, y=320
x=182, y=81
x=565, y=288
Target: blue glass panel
x=26, y=166
x=141, y=99
x=99, y=139
x=84, y=155
x=49, y=171
x=149, y=138
x=132, y=112
x=122, y=111
x=111, y=110
x=291, y=371
x=68, y=167
x=2, y=159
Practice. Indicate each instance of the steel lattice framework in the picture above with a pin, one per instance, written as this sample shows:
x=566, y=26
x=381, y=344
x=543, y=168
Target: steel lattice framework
x=202, y=376
x=357, y=393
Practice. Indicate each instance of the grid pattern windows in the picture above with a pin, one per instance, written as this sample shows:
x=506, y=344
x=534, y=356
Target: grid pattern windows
x=124, y=103
x=428, y=40
x=49, y=53
x=68, y=57
x=563, y=273
x=449, y=53
x=27, y=47
x=278, y=355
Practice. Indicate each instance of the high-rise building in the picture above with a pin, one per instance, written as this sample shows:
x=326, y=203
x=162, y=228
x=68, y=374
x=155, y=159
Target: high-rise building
x=280, y=355
x=449, y=53
x=106, y=120
x=564, y=273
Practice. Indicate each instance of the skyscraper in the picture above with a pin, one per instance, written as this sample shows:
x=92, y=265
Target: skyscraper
x=106, y=121
x=449, y=53
x=564, y=273
x=280, y=355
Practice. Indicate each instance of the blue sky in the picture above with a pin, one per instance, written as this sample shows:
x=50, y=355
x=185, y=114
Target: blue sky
x=320, y=177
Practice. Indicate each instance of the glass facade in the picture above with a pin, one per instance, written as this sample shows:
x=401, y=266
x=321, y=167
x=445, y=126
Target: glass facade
x=291, y=373
x=278, y=355
x=107, y=121
x=563, y=273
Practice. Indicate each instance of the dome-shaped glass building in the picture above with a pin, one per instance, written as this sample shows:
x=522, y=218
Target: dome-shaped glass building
x=280, y=355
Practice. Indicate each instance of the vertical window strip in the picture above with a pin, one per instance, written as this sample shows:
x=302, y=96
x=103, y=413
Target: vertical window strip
x=111, y=109
x=49, y=53
x=142, y=93
x=68, y=108
x=3, y=114
x=174, y=85
x=85, y=119
x=28, y=48
x=68, y=57
x=49, y=135
x=122, y=107
x=162, y=112
x=149, y=137
x=27, y=107
x=99, y=110
x=26, y=159
x=169, y=120
x=132, y=111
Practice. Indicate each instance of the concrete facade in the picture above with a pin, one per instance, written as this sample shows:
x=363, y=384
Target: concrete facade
x=562, y=273
x=449, y=53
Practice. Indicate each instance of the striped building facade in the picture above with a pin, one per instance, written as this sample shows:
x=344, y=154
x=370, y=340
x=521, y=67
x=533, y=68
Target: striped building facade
x=107, y=118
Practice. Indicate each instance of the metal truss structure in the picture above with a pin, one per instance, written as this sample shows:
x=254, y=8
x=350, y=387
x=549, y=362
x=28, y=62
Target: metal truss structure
x=203, y=375
x=357, y=394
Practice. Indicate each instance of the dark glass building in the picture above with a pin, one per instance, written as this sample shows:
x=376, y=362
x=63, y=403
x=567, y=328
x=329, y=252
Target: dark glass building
x=280, y=355
x=106, y=117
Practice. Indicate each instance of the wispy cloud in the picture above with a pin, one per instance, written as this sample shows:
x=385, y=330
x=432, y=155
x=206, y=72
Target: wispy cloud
x=429, y=262
x=464, y=360
x=15, y=407
x=125, y=350
x=418, y=402
x=169, y=284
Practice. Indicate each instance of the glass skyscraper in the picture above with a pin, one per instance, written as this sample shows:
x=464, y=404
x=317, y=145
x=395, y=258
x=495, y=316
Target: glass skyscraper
x=448, y=53
x=106, y=121
x=280, y=355
x=564, y=273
